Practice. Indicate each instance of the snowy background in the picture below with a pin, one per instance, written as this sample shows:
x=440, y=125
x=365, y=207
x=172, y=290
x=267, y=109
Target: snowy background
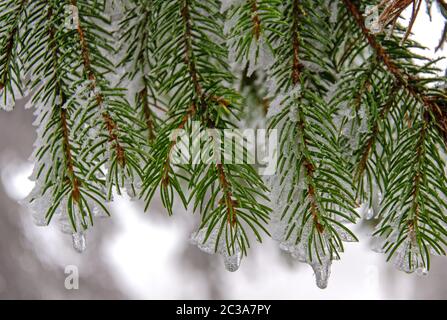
x=148, y=256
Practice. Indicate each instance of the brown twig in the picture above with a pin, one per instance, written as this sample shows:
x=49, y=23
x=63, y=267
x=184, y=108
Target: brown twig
x=193, y=72
x=256, y=20
x=110, y=124
x=147, y=114
x=296, y=75
x=76, y=194
x=167, y=163
x=297, y=66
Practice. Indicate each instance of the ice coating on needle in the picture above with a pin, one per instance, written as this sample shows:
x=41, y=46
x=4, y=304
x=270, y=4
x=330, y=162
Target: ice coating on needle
x=232, y=255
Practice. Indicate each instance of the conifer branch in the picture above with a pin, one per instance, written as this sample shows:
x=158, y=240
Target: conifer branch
x=109, y=123
x=120, y=95
x=9, y=46
x=10, y=85
x=408, y=82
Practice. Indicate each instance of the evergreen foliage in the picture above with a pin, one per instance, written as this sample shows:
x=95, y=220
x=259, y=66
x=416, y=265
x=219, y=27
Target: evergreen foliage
x=120, y=88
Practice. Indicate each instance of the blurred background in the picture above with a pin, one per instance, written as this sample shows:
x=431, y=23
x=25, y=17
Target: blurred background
x=148, y=256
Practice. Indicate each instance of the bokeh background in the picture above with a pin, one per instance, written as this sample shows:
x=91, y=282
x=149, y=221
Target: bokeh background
x=148, y=256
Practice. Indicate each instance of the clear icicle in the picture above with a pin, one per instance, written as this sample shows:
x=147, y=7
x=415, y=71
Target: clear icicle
x=377, y=244
x=39, y=219
x=369, y=214
x=322, y=272
x=317, y=257
x=198, y=239
x=408, y=258
x=6, y=103
x=422, y=272
x=232, y=262
x=79, y=241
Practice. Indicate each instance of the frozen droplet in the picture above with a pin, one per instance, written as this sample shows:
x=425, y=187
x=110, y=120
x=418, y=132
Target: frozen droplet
x=345, y=236
x=408, y=258
x=79, y=241
x=377, y=244
x=369, y=214
x=422, y=272
x=39, y=219
x=6, y=103
x=232, y=262
x=198, y=239
x=286, y=247
x=322, y=272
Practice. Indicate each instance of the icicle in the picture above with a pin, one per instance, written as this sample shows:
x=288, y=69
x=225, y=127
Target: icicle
x=39, y=219
x=318, y=256
x=79, y=241
x=421, y=272
x=232, y=262
x=369, y=214
x=408, y=258
x=377, y=244
x=198, y=239
x=6, y=101
x=322, y=272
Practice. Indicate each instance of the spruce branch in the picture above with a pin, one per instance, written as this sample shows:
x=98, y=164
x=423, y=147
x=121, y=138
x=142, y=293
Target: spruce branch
x=197, y=82
x=312, y=196
x=107, y=108
x=62, y=188
x=414, y=122
x=407, y=81
x=138, y=47
x=12, y=19
x=140, y=97
x=251, y=26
